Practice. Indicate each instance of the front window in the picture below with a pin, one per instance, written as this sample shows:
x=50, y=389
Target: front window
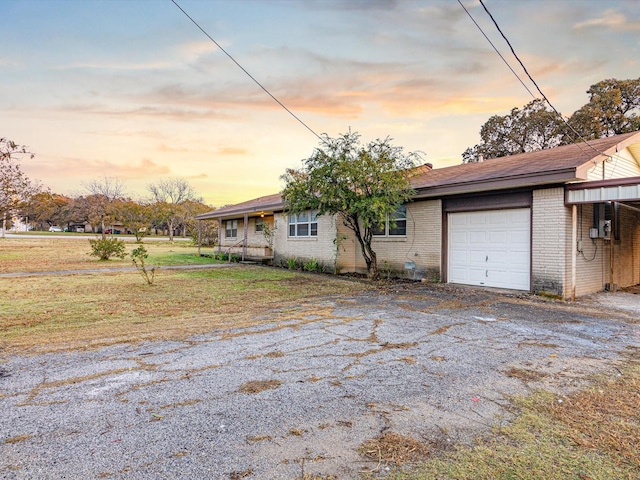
x=231, y=229
x=259, y=223
x=395, y=225
x=303, y=224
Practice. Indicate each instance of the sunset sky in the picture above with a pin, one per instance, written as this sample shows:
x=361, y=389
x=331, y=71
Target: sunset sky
x=132, y=89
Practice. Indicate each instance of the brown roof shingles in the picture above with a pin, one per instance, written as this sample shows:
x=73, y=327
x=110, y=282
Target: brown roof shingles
x=555, y=165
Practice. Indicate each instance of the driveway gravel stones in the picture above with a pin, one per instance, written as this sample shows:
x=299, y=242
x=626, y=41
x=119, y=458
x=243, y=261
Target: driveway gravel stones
x=299, y=396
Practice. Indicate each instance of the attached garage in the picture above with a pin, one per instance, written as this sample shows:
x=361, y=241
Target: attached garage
x=490, y=248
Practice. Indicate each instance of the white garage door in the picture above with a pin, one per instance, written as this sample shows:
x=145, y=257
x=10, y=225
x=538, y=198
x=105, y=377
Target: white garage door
x=490, y=248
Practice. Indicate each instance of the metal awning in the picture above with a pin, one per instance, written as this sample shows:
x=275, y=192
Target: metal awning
x=623, y=190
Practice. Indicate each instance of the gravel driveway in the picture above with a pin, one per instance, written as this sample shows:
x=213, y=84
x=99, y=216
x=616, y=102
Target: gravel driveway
x=435, y=363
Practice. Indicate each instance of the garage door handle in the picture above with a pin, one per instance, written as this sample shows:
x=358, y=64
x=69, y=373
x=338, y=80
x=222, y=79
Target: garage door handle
x=486, y=258
x=486, y=273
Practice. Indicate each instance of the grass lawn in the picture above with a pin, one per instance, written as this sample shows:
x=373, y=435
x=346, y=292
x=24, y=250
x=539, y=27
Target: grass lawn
x=53, y=254
x=48, y=313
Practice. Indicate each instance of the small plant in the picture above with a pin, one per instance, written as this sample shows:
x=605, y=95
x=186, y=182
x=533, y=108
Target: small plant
x=386, y=269
x=291, y=263
x=311, y=265
x=138, y=257
x=268, y=232
x=105, y=248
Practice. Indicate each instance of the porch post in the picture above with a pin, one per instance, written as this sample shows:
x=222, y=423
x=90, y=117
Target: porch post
x=574, y=249
x=246, y=231
x=199, y=236
x=219, y=234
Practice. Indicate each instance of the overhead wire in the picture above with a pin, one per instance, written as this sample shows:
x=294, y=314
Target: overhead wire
x=247, y=73
x=496, y=50
x=534, y=82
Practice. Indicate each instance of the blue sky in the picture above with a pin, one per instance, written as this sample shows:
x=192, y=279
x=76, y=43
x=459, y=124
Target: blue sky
x=132, y=89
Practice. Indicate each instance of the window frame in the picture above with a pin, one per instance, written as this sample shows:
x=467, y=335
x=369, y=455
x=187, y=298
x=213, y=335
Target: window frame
x=399, y=216
x=308, y=219
x=229, y=232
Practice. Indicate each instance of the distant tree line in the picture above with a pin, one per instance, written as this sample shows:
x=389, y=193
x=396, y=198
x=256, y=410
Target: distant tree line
x=105, y=208
x=613, y=108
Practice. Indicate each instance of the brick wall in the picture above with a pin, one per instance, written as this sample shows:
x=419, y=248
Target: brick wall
x=551, y=233
x=422, y=245
x=321, y=248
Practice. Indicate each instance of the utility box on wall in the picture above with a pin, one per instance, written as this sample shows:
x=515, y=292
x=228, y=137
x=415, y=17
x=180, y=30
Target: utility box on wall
x=600, y=222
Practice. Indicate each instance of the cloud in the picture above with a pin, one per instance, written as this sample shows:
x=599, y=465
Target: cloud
x=610, y=19
x=116, y=66
x=45, y=167
x=232, y=151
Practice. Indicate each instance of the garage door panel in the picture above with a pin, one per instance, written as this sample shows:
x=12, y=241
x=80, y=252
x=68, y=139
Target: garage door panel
x=490, y=248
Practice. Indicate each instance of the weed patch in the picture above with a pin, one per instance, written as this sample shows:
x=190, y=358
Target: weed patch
x=257, y=386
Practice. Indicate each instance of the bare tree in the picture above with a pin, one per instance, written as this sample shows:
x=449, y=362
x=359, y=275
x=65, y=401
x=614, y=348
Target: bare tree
x=169, y=197
x=104, y=191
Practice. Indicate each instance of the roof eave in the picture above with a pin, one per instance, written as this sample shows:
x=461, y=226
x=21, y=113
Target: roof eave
x=251, y=211
x=528, y=180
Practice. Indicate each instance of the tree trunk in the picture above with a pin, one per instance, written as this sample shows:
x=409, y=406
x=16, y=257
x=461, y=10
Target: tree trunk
x=4, y=224
x=171, y=230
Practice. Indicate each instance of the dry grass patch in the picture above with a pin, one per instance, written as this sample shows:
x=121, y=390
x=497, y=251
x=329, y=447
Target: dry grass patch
x=240, y=475
x=591, y=434
x=257, y=386
x=79, y=311
x=393, y=448
x=17, y=439
x=59, y=254
x=524, y=374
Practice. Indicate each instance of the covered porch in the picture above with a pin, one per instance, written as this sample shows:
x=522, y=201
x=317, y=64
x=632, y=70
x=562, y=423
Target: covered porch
x=245, y=230
x=606, y=213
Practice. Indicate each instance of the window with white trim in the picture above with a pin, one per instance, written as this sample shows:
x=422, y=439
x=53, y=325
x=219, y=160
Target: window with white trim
x=259, y=224
x=231, y=228
x=395, y=225
x=303, y=224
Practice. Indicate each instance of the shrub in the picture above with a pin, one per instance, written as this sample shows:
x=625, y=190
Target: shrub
x=105, y=248
x=311, y=265
x=138, y=257
x=291, y=263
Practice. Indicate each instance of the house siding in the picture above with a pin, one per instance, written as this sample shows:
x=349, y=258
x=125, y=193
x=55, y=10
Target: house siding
x=622, y=165
x=321, y=248
x=552, y=248
x=422, y=245
x=550, y=234
x=256, y=242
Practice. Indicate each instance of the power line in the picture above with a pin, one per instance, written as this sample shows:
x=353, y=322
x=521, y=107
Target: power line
x=247, y=73
x=496, y=50
x=536, y=85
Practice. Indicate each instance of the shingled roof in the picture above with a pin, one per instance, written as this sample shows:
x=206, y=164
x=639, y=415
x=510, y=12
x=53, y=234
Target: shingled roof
x=558, y=165
x=555, y=165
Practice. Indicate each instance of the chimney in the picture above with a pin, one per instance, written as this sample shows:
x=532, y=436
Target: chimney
x=429, y=166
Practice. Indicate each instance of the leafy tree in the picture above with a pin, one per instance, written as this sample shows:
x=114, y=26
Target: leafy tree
x=191, y=208
x=15, y=187
x=362, y=184
x=169, y=197
x=48, y=208
x=534, y=127
x=135, y=216
x=612, y=109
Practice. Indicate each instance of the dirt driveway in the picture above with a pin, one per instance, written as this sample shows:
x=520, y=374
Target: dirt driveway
x=298, y=397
